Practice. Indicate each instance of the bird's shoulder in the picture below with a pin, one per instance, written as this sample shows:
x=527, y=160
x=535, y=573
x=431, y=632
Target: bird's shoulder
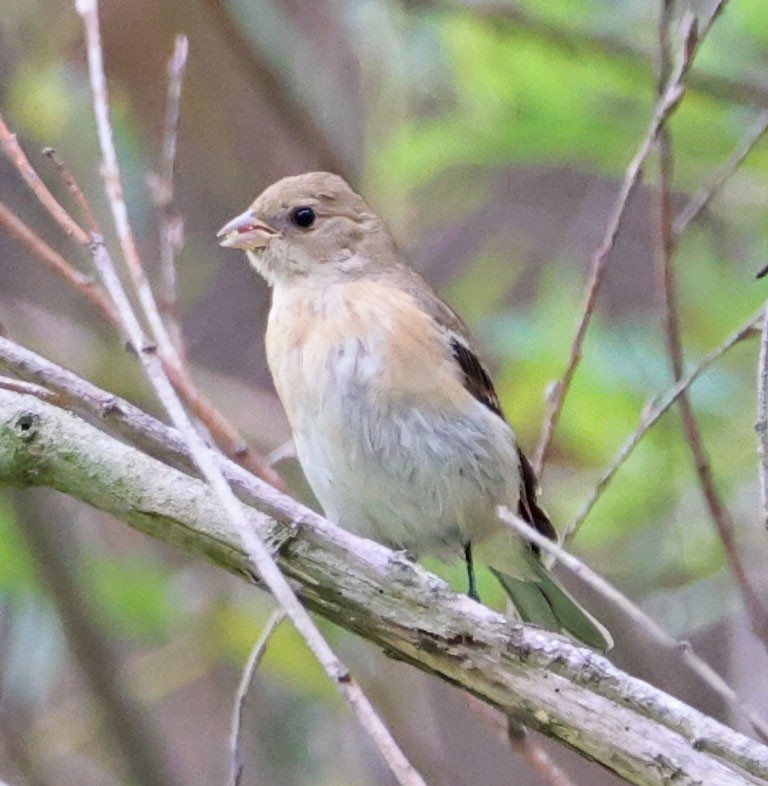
x=416, y=344
x=463, y=353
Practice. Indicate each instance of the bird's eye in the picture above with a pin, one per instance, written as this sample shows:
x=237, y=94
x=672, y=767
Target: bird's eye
x=303, y=217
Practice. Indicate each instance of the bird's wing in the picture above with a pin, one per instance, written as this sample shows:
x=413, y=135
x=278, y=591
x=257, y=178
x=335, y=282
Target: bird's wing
x=478, y=382
x=476, y=379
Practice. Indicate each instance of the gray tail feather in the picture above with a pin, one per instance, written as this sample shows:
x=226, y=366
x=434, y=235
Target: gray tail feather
x=542, y=601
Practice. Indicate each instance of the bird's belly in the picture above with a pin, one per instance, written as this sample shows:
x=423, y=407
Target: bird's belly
x=423, y=481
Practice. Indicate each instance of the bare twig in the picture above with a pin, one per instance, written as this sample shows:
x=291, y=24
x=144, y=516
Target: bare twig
x=761, y=426
x=251, y=665
x=668, y=101
x=669, y=98
x=222, y=431
x=176, y=67
x=161, y=186
x=85, y=285
x=701, y=199
x=19, y=159
x=258, y=554
x=70, y=181
x=652, y=414
x=129, y=421
x=110, y=172
x=29, y=388
x=534, y=753
x=633, y=612
x=666, y=248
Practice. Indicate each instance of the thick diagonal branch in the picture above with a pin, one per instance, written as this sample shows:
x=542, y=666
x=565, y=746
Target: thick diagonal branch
x=552, y=685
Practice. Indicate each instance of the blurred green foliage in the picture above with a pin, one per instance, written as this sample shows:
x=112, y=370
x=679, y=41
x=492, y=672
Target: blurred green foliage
x=17, y=573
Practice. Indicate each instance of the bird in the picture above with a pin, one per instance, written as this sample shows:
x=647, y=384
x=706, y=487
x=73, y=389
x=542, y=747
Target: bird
x=396, y=422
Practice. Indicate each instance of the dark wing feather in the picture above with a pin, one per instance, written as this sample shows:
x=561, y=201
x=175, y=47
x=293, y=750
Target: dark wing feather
x=528, y=508
x=476, y=379
x=479, y=384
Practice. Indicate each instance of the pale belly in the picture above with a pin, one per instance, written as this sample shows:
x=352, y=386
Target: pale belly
x=411, y=480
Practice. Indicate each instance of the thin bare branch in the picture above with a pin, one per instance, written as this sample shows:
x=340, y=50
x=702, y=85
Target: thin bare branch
x=614, y=596
x=222, y=431
x=220, y=428
x=534, y=753
x=761, y=426
x=19, y=159
x=665, y=106
x=177, y=65
x=259, y=556
x=110, y=172
x=162, y=189
x=70, y=181
x=701, y=199
x=669, y=98
x=85, y=285
x=250, y=668
x=652, y=414
x=665, y=251
x=30, y=388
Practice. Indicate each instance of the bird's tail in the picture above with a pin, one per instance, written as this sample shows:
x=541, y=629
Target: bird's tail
x=542, y=601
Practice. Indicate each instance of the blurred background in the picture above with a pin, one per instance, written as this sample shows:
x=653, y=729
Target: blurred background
x=493, y=137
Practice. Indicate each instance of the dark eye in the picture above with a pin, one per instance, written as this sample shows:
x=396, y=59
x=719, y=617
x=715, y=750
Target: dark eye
x=303, y=217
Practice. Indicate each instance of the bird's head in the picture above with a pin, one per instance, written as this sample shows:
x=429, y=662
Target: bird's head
x=311, y=225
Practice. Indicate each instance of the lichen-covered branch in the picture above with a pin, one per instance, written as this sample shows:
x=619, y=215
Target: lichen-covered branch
x=565, y=691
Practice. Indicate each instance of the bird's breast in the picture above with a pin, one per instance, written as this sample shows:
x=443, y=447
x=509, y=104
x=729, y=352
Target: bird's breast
x=359, y=344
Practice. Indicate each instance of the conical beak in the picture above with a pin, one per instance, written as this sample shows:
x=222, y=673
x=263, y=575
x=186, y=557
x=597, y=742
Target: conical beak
x=246, y=232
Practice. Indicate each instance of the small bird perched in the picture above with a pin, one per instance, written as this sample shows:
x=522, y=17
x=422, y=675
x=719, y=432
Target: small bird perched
x=396, y=422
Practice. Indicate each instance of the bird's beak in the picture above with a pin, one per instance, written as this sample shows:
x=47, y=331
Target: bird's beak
x=246, y=232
